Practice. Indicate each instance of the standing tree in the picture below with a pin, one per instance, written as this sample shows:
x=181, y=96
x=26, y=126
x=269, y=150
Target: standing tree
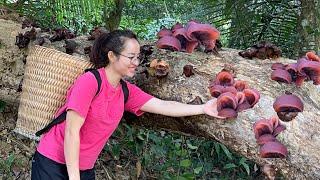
x=112, y=19
x=308, y=27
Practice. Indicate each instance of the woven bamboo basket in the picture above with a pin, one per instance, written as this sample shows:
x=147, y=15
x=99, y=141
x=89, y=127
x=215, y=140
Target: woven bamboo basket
x=48, y=75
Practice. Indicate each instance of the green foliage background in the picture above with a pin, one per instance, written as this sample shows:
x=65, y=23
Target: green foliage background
x=241, y=23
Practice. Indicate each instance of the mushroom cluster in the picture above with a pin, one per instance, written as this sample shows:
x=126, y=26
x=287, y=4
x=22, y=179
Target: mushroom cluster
x=266, y=131
x=233, y=96
x=262, y=50
x=23, y=39
x=306, y=69
x=61, y=34
x=186, y=39
x=287, y=106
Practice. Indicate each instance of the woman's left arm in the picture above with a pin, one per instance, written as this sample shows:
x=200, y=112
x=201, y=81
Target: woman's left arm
x=176, y=109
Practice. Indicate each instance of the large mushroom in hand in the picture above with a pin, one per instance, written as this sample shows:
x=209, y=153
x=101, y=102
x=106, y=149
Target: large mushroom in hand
x=233, y=95
x=227, y=105
x=287, y=106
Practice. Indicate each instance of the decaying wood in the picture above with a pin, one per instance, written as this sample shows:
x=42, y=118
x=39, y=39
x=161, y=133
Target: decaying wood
x=302, y=136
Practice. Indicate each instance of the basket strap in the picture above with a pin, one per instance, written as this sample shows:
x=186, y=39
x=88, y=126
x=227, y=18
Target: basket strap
x=63, y=115
x=56, y=121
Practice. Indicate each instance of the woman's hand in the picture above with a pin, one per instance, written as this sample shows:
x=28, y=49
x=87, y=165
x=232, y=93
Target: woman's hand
x=210, y=108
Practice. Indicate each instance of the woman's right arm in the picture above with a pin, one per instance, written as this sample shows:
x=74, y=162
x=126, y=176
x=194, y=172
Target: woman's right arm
x=72, y=143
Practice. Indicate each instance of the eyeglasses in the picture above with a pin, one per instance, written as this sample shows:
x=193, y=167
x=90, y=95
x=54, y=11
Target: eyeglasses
x=132, y=59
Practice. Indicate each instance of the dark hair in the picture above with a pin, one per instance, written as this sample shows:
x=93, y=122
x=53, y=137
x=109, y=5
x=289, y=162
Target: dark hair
x=113, y=41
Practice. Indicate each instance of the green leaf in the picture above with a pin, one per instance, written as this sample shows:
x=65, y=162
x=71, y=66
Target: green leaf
x=185, y=163
x=242, y=160
x=188, y=176
x=229, y=166
x=197, y=170
x=140, y=137
x=217, y=148
x=226, y=151
x=246, y=167
x=190, y=146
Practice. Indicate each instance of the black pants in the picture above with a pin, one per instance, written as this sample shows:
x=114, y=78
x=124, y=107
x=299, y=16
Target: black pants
x=44, y=168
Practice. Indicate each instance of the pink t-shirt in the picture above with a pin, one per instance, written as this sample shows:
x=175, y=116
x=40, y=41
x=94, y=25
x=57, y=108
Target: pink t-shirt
x=102, y=115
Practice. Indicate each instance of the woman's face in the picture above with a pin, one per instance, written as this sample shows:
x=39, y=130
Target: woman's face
x=128, y=60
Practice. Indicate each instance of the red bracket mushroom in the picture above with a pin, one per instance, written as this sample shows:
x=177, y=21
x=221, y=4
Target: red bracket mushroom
x=287, y=106
x=169, y=42
x=306, y=69
x=189, y=37
x=227, y=105
x=312, y=56
x=266, y=131
x=262, y=50
x=233, y=96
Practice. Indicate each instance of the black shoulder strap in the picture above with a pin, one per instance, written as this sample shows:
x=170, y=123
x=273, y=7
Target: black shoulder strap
x=125, y=90
x=63, y=115
x=96, y=74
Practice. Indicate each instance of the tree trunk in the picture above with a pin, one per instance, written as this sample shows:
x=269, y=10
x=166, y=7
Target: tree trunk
x=113, y=18
x=301, y=137
x=308, y=27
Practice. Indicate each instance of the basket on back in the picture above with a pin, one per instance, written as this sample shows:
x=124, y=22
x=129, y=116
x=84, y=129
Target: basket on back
x=48, y=75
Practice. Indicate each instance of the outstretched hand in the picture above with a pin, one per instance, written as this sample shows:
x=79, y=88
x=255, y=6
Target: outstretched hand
x=210, y=108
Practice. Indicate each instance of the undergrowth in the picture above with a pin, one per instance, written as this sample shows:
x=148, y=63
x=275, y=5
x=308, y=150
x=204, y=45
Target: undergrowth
x=175, y=156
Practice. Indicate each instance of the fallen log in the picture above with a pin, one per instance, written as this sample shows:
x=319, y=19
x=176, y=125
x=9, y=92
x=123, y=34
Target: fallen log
x=301, y=137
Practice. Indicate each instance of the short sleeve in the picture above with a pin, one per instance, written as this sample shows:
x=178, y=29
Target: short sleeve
x=81, y=94
x=136, y=99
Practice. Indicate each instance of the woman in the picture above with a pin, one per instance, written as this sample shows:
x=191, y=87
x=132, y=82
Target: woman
x=69, y=150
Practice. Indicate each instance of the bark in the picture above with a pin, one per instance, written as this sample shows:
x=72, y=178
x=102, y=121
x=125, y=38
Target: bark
x=308, y=27
x=113, y=18
x=302, y=136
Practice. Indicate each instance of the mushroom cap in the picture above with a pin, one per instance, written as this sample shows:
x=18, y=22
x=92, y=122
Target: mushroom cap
x=164, y=32
x=186, y=43
x=312, y=56
x=224, y=78
x=252, y=96
x=311, y=69
x=216, y=90
x=201, y=31
x=228, y=113
x=205, y=33
x=240, y=85
x=266, y=138
x=188, y=70
x=176, y=26
x=169, y=42
x=262, y=127
x=281, y=75
x=278, y=129
x=273, y=149
x=288, y=103
x=227, y=100
x=277, y=66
